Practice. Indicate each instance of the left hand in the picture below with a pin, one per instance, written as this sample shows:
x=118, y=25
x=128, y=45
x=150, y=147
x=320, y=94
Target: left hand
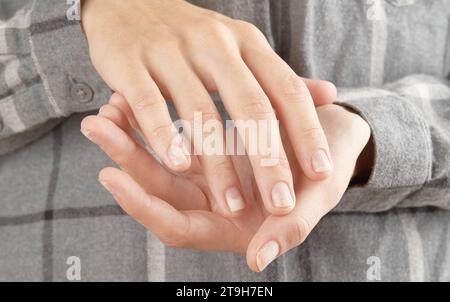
x=177, y=208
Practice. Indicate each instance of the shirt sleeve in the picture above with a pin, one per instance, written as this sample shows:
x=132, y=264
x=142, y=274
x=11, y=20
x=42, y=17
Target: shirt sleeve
x=45, y=70
x=410, y=123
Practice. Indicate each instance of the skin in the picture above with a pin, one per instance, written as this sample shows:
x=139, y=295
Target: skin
x=152, y=51
x=179, y=209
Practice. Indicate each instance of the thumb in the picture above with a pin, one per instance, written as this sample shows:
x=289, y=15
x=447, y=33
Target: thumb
x=277, y=235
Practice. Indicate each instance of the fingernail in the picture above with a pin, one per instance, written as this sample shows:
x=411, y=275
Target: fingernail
x=234, y=199
x=88, y=135
x=177, y=152
x=281, y=196
x=320, y=162
x=267, y=254
x=108, y=187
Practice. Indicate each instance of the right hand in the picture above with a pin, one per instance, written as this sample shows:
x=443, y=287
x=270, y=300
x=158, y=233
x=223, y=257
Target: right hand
x=179, y=209
x=150, y=51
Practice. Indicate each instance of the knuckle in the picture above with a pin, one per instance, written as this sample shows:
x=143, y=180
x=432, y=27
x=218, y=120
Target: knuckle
x=211, y=40
x=208, y=112
x=215, y=29
x=293, y=90
x=257, y=105
x=178, y=237
x=216, y=16
x=147, y=102
x=160, y=132
x=221, y=167
x=311, y=135
x=211, y=115
x=298, y=231
x=249, y=30
x=206, y=29
x=283, y=163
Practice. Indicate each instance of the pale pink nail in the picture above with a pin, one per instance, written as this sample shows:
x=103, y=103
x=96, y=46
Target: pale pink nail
x=320, y=162
x=177, y=152
x=234, y=199
x=281, y=196
x=267, y=254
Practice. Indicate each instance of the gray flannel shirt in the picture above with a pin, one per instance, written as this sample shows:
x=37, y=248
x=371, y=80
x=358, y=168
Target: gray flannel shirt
x=391, y=62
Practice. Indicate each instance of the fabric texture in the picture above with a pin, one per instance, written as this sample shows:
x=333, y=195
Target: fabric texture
x=391, y=62
x=43, y=55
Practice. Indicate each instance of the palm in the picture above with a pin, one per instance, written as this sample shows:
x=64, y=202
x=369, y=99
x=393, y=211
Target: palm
x=202, y=203
x=181, y=211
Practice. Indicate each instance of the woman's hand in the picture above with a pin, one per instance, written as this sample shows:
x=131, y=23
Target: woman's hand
x=150, y=51
x=180, y=209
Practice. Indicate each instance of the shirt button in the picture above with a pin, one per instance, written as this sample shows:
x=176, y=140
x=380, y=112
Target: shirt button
x=82, y=93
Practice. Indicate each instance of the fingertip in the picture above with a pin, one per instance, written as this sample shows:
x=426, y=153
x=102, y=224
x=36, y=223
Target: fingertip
x=178, y=157
x=87, y=128
x=322, y=92
x=260, y=255
x=282, y=199
x=106, y=178
x=329, y=91
x=86, y=123
x=116, y=98
x=319, y=166
x=105, y=111
x=108, y=174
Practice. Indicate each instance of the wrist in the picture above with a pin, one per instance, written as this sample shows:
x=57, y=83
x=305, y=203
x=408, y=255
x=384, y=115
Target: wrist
x=361, y=136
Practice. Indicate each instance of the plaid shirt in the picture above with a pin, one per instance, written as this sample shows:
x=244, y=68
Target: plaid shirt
x=44, y=75
x=52, y=208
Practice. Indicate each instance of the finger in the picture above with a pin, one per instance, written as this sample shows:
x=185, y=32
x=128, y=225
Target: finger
x=120, y=103
x=194, y=105
x=192, y=229
x=141, y=165
x=277, y=235
x=258, y=127
x=295, y=107
x=150, y=110
x=158, y=216
x=113, y=114
x=322, y=92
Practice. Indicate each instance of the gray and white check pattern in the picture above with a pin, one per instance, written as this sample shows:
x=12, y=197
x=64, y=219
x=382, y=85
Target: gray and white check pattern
x=37, y=42
x=392, y=68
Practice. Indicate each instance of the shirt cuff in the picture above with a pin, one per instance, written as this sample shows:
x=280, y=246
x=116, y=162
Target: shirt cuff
x=61, y=56
x=403, y=155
